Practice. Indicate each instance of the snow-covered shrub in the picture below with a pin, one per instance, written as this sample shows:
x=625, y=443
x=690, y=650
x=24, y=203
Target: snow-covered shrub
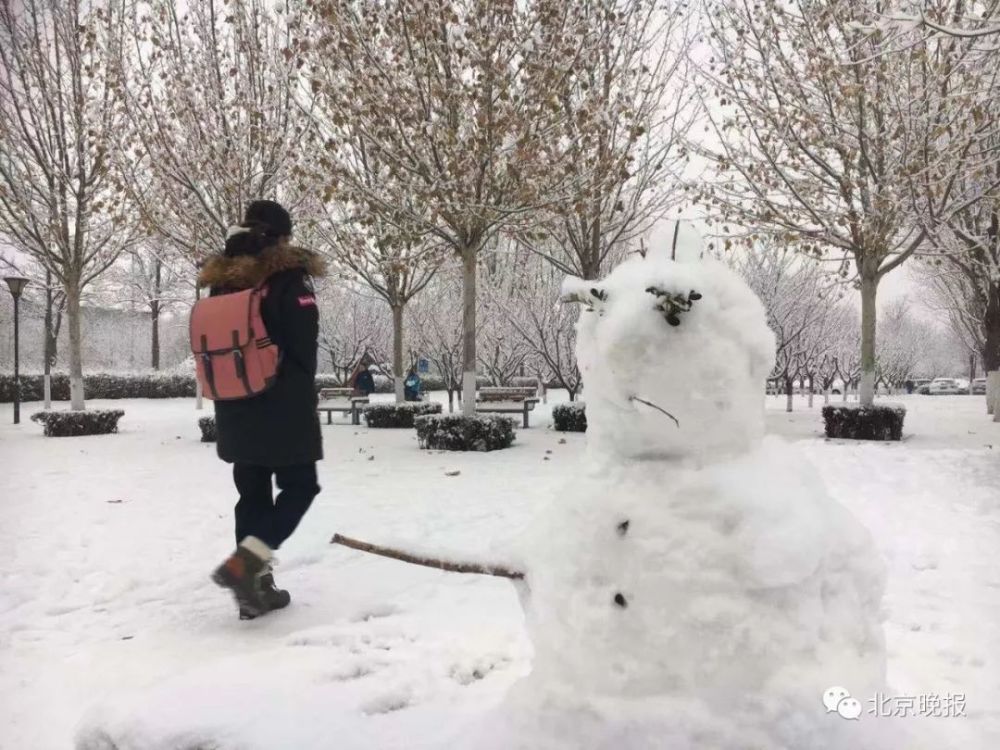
x=524, y=382
x=383, y=384
x=102, y=386
x=454, y=432
x=76, y=423
x=151, y=385
x=571, y=417
x=432, y=382
x=328, y=381
x=208, y=431
x=398, y=415
x=33, y=387
x=855, y=422
x=185, y=367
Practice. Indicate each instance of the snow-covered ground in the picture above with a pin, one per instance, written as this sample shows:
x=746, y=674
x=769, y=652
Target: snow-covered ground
x=111, y=634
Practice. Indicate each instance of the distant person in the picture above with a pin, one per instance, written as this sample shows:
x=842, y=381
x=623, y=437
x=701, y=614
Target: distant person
x=364, y=383
x=274, y=434
x=411, y=386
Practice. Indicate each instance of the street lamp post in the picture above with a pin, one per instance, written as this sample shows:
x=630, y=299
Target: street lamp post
x=16, y=285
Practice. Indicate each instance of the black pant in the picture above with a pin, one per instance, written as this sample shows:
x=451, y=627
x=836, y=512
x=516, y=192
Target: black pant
x=259, y=514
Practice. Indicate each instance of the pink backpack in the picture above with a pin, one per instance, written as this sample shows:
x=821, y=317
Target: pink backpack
x=234, y=356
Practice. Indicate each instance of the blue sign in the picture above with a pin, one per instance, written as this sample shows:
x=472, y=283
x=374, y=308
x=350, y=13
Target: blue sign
x=423, y=365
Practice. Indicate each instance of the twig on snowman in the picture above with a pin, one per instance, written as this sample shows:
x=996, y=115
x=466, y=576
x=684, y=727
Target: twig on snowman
x=654, y=406
x=428, y=562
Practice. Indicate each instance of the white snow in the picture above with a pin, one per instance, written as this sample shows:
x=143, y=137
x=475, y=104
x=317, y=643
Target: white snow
x=110, y=627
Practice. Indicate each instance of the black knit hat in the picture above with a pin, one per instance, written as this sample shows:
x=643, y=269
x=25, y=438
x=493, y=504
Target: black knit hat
x=271, y=214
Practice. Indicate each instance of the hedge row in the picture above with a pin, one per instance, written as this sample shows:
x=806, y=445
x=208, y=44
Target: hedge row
x=454, y=432
x=163, y=385
x=100, y=386
x=571, y=417
x=853, y=422
x=76, y=423
x=398, y=415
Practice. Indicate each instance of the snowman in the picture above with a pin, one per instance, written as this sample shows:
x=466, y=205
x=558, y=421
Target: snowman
x=694, y=586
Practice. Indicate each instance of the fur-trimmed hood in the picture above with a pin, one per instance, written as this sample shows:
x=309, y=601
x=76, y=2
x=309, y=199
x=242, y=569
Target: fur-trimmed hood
x=246, y=271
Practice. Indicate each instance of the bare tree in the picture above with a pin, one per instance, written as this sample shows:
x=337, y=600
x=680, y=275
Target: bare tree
x=842, y=348
x=962, y=269
x=59, y=201
x=54, y=306
x=395, y=267
x=797, y=301
x=436, y=320
x=456, y=99
x=147, y=278
x=816, y=350
x=970, y=21
x=353, y=328
x=846, y=152
x=901, y=340
x=628, y=161
x=207, y=95
x=546, y=329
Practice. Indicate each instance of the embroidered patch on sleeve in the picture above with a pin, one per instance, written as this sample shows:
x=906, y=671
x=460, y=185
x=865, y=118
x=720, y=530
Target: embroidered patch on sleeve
x=307, y=300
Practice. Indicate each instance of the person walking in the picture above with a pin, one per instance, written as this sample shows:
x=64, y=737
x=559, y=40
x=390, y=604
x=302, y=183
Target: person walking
x=364, y=382
x=273, y=435
x=411, y=386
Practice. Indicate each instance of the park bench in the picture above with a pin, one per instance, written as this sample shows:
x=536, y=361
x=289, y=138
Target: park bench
x=513, y=400
x=343, y=400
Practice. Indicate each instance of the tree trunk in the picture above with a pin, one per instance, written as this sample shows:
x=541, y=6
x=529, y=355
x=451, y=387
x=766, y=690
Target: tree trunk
x=788, y=394
x=993, y=394
x=869, y=290
x=826, y=395
x=75, y=347
x=49, y=351
x=991, y=351
x=154, y=317
x=397, y=352
x=812, y=390
x=451, y=401
x=469, y=331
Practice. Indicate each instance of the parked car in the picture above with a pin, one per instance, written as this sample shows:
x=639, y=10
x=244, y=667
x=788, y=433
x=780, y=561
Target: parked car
x=979, y=387
x=963, y=386
x=922, y=385
x=944, y=387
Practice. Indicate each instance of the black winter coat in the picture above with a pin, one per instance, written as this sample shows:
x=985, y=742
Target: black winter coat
x=280, y=427
x=365, y=383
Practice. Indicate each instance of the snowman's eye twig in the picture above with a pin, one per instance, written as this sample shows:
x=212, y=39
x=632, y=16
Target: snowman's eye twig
x=671, y=305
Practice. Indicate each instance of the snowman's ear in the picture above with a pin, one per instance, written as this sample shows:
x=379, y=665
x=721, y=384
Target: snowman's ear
x=583, y=292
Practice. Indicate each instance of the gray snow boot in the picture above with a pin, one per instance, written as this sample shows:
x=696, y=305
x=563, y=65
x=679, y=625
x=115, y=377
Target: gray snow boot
x=269, y=594
x=241, y=573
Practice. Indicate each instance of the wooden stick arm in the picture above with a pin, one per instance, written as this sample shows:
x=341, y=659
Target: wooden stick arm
x=453, y=567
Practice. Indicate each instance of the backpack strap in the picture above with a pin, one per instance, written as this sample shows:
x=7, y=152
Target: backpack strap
x=241, y=367
x=206, y=361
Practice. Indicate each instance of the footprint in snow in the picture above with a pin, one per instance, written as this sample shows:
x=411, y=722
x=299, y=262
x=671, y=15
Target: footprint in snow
x=375, y=613
x=350, y=672
x=386, y=704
